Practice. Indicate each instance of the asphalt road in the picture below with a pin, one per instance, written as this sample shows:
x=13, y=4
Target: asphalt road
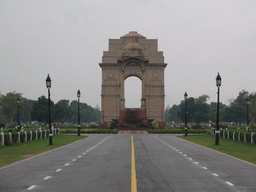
x=103, y=163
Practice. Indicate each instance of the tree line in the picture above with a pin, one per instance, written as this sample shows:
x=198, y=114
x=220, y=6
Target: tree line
x=200, y=111
x=37, y=110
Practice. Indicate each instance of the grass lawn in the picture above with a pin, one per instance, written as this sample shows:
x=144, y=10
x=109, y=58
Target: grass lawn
x=238, y=149
x=10, y=154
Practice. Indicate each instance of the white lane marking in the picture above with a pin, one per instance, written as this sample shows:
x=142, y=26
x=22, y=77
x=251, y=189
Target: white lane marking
x=74, y=160
x=190, y=159
x=180, y=152
x=231, y=184
x=67, y=164
x=79, y=156
x=84, y=153
x=58, y=170
x=215, y=174
x=185, y=155
x=31, y=187
x=176, y=150
x=204, y=167
x=195, y=163
x=48, y=177
x=87, y=151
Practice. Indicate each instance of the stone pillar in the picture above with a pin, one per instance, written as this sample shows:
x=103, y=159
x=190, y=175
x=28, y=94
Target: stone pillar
x=36, y=135
x=234, y=136
x=245, y=137
x=10, y=137
x=228, y=135
x=223, y=134
x=18, y=137
x=122, y=99
x=239, y=137
x=30, y=135
x=252, y=140
x=41, y=134
x=45, y=134
x=26, y=137
x=2, y=141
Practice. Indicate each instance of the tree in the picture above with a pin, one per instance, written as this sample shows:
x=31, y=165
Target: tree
x=213, y=111
x=241, y=98
x=60, y=111
x=198, y=109
x=9, y=107
x=172, y=114
x=235, y=113
x=252, y=106
x=40, y=110
x=25, y=109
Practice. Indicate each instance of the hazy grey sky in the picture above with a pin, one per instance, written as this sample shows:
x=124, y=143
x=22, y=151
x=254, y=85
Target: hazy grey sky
x=66, y=39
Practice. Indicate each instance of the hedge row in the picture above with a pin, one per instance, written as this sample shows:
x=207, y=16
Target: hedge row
x=177, y=131
x=224, y=133
x=104, y=131
x=7, y=140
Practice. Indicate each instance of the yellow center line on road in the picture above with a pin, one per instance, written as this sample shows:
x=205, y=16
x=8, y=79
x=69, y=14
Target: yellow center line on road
x=133, y=170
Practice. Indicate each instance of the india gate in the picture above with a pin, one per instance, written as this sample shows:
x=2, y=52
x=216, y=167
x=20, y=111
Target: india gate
x=132, y=55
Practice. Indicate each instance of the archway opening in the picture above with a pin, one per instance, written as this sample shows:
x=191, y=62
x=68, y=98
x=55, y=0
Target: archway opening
x=133, y=92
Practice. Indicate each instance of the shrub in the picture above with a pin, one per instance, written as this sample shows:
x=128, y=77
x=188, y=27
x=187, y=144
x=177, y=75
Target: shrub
x=84, y=131
x=197, y=126
x=10, y=130
x=69, y=131
x=2, y=125
x=112, y=125
x=252, y=127
x=176, y=131
x=7, y=140
x=22, y=137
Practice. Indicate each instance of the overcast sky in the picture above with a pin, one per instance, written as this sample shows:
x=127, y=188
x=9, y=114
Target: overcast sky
x=66, y=39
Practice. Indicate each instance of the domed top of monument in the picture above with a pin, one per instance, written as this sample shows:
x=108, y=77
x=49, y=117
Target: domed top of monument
x=133, y=34
x=132, y=46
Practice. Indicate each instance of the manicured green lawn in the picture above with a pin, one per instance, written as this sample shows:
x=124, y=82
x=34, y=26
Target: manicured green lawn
x=10, y=154
x=241, y=150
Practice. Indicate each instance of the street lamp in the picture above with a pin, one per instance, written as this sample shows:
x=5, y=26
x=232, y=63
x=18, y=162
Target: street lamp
x=217, y=134
x=247, y=104
x=186, y=113
x=78, y=96
x=48, y=85
x=18, y=102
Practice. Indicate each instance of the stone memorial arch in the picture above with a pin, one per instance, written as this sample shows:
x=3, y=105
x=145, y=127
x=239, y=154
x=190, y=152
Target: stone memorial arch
x=132, y=55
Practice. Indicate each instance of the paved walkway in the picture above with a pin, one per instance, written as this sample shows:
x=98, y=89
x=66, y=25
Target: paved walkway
x=132, y=132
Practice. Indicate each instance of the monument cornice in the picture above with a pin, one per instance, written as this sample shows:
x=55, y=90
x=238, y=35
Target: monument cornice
x=109, y=64
x=156, y=64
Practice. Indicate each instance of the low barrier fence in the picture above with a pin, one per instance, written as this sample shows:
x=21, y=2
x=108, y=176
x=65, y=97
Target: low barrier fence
x=249, y=137
x=8, y=138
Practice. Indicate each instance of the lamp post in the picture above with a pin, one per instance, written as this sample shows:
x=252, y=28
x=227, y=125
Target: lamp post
x=18, y=102
x=247, y=104
x=217, y=134
x=186, y=113
x=78, y=124
x=48, y=85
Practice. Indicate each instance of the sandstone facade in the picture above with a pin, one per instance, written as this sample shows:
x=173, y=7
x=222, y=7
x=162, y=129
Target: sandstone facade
x=132, y=55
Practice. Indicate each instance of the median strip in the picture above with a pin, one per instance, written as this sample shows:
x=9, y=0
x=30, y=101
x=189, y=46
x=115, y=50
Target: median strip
x=133, y=170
